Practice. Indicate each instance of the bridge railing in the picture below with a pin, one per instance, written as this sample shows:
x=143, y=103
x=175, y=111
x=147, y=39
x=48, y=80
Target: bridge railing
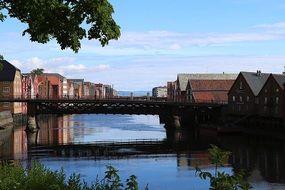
x=114, y=98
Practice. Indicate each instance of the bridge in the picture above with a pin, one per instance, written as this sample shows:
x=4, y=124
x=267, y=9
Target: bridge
x=171, y=113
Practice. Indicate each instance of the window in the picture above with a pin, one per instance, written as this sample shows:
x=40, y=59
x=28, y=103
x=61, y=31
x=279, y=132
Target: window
x=6, y=104
x=265, y=90
x=265, y=100
x=240, y=85
x=277, y=89
x=234, y=98
x=6, y=83
x=256, y=100
x=276, y=110
x=6, y=89
x=247, y=98
x=240, y=98
x=277, y=100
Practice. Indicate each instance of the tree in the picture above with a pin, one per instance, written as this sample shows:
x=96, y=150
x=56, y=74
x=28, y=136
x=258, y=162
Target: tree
x=63, y=20
x=1, y=57
x=37, y=71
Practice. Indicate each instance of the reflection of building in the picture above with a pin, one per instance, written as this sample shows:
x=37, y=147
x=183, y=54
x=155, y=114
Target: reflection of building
x=10, y=86
x=193, y=159
x=55, y=129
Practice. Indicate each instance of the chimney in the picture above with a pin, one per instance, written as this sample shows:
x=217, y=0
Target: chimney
x=258, y=73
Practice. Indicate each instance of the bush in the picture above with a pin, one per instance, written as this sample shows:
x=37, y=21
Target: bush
x=39, y=177
x=222, y=180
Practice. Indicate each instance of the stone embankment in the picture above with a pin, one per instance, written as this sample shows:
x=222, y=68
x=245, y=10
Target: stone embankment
x=6, y=119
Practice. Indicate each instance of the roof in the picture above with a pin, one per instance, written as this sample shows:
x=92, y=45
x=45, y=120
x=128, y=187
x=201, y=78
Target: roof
x=216, y=96
x=255, y=80
x=183, y=78
x=211, y=85
x=53, y=74
x=280, y=79
x=8, y=71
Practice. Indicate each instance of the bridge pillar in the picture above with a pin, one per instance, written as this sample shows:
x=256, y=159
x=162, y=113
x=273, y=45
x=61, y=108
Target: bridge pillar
x=31, y=124
x=32, y=138
x=31, y=120
x=172, y=121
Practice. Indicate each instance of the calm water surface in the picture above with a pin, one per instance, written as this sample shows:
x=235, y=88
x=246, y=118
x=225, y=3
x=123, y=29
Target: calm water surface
x=161, y=160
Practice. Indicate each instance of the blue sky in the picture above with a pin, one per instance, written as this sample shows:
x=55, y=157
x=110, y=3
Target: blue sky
x=161, y=38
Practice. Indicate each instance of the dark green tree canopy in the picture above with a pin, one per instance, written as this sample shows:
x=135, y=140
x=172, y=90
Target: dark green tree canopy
x=37, y=71
x=63, y=19
x=1, y=57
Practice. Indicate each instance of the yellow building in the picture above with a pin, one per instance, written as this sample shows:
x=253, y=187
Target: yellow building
x=10, y=86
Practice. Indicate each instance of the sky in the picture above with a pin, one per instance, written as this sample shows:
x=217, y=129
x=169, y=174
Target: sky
x=160, y=38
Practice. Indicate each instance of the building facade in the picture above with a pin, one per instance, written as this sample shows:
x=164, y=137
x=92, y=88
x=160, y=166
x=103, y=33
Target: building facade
x=243, y=96
x=271, y=97
x=10, y=86
x=160, y=91
x=208, y=90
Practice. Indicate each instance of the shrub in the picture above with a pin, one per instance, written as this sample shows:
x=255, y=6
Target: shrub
x=39, y=177
x=222, y=180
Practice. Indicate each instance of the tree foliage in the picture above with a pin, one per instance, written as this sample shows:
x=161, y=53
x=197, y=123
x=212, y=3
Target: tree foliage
x=64, y=20
x=1, y=57
x=222, y=180
x=37, y=71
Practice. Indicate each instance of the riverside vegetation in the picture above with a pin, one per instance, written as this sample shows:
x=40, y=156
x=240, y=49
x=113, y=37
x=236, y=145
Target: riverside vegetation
x=222, y=180
x=39, y=177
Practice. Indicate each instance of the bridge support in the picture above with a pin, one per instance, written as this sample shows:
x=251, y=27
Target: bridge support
x=31, y=120
x=171, y=121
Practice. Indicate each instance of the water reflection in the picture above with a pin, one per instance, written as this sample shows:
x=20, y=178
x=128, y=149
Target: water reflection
x=142, y=145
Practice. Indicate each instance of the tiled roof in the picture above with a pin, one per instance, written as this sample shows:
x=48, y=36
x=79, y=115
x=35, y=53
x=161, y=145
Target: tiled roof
x=280, y=79
x=255, y=80
x=211, y=85
x=216, y=96
x=8, y=71
x=183, y=78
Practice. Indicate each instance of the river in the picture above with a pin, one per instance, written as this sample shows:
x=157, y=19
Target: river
x=139, y=145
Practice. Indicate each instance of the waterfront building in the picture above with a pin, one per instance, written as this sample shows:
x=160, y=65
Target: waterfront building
x=243, y=96
x=70, y=89
x=29, y=85
x=160, y=91
x=271, y=97
x=99, y=91
x=171, y=90
x=50, y=85
x=10, y=86
x=208, y=90
x=89, y=89
x=109, y=93
x=64, y=87
x=78, y=87
x=182, y=81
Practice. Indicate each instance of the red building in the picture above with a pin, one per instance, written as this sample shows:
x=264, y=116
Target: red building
x=50, y=85
x=208, y=90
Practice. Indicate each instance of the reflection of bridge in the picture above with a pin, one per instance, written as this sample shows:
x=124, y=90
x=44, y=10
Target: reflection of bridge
x=171, y=113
